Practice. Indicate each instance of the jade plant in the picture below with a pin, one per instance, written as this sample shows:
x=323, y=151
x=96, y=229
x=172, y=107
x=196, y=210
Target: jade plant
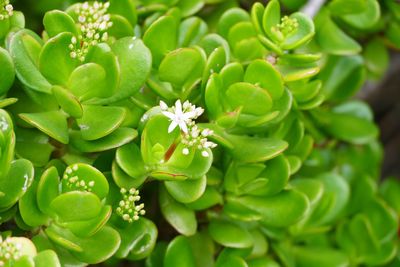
x=194, y=133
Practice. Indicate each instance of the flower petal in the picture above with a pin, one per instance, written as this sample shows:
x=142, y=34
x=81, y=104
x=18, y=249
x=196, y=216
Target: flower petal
x=178, y=107
x=170, y=115
x=172, y=126
x=188, y=115
x=183, y=127
x=163, y=105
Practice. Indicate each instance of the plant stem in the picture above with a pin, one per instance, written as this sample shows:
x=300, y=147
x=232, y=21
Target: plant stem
x=312, y=7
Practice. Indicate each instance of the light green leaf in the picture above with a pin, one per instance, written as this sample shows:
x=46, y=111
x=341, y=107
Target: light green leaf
x=118, y=138
x=332, y=39
x=76, y=206
x=182, y=67
x=29, y=210
x=365, y=19
x=47, y=190
x=230, y=235
x=57, y=21
x=179, y=253
x=67, y=101
x=52, y=123
x=7, y=73
x=25, y=47
x=100, y=121
x=55, y=62
x=187, y=191
x=264, y=75
x=164, y=28
x=178, y=215
x=137, y=239
x=16, y=182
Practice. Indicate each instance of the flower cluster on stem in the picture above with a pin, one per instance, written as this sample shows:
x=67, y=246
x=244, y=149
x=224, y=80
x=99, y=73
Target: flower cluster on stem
x=73, y=181
x=287, y=26
x=6, y=9
x=183, y=116
x=93, y=22
x=128, y=208
x=9, y=251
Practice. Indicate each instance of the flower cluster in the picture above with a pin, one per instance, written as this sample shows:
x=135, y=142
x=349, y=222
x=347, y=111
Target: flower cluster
x=6, y=9
x=287, y=26
x=9, y=251
x=127, y=207
x=183, y=116
x=93, y=22
x=74, y=182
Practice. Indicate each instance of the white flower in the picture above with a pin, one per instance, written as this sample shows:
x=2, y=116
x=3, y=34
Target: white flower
x=185, y=151
x=9, y=8
x=183, y=116
x=198, y=111
x=179, y=118
x=163, y=106
x=206, y=132
x=205, y=154
x=209, y=144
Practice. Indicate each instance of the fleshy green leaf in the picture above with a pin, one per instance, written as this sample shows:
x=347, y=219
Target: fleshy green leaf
x=332, y=39
x=53, y=123
x=28, y=207
x=186, y=191
x=178, y=215
x=130, y=160
x=165, y=28
x=263, y=74
x=48, y=189
x=67, y=101
x=16, y=182
x=230, y=235
x=271, y=17
x=88, y=81
x=25, y=47
x=92, y=226
x=57, y=21
x=281, y=210
x=179, y=253
x=76, y=206
x=313, y=257
x=253, y=99
x=100, y=121
x=137, y=239
x=55, y=62
x=182, y=67
x=47, y=258
x=7, y=71
x=365, y=19
x=88, y=177
x=118, y=138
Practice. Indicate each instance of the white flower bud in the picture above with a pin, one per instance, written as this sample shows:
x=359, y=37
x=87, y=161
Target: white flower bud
x=185, y=151
x=163, y=105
